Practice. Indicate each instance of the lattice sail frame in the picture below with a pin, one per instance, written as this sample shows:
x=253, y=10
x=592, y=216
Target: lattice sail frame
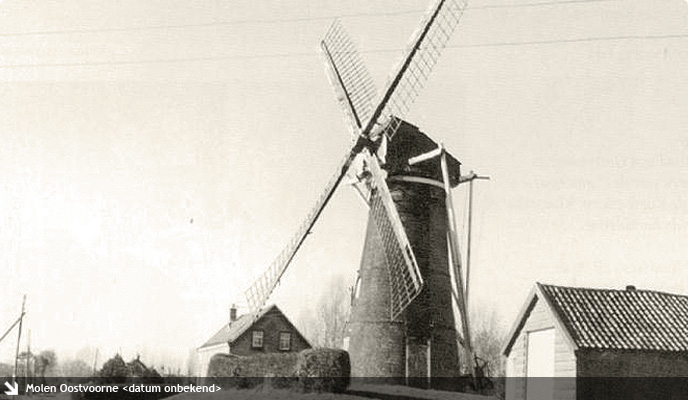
x=405, y=278
x=349, y=77
x=425, y=48
x=354, y=89
x=428, y=41
x=258, y=293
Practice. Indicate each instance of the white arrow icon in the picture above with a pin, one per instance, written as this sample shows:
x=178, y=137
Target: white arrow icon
x=13, y=391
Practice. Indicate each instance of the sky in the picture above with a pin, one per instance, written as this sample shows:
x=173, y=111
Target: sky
x=156, y=156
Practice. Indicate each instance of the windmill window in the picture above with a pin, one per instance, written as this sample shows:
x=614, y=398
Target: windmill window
x=357, y=288
x=285, y=341
x=257, y=340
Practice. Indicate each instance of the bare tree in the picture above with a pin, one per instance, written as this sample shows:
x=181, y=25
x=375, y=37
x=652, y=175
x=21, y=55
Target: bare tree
x=46, y=361
x=75, y=368
x=488, y=336
x=326, y=325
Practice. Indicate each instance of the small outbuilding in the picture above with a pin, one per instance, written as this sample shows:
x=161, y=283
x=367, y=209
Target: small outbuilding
x=265, y=331
x=597, y=343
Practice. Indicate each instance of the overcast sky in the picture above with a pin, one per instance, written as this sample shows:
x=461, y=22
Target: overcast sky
x=156, y=155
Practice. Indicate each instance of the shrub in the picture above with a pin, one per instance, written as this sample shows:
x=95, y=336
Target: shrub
x=114, y=370
x=250, y=371
x=323, y=370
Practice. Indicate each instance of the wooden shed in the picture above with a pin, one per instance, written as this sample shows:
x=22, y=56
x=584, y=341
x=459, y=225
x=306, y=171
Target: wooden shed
x=579, y=335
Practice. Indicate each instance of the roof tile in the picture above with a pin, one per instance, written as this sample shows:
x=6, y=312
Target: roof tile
x=622, y=319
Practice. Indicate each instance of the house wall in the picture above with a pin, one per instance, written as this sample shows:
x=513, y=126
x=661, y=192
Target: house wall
x=272, y=323
x=540, y=318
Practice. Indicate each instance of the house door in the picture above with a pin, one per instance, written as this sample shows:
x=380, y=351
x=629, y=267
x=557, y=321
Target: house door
x=540, y=365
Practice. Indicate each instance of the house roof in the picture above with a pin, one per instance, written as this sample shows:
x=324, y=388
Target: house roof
x=609, y=319
x=231, y=332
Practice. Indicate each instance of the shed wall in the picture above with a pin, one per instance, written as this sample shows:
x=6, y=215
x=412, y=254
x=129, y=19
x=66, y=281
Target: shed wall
x=632, y=375
x=593, y=363
x=540, y=318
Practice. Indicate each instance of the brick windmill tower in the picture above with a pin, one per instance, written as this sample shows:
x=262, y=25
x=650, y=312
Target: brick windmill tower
x=402, y=322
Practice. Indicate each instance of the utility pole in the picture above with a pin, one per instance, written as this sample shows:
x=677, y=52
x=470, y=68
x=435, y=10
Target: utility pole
x=7, y=332
x=21, y=321
x=95, y=362
x=27, y=362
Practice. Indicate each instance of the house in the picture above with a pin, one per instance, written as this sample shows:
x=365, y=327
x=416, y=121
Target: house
x=265, y=331
x=585, y=334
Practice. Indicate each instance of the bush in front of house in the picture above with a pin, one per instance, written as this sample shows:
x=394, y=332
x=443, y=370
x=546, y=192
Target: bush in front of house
x=251, y=371
x=323, y=370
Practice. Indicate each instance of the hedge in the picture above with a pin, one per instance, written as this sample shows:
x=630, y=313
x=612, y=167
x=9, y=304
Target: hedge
x=311, y=370
x=251, y=371
x=323, y=370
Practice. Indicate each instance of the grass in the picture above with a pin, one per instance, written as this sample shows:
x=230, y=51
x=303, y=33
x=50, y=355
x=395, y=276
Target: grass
x=263, y=394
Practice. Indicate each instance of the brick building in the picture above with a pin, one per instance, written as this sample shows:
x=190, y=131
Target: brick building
x=266, y=331
x=597, y=343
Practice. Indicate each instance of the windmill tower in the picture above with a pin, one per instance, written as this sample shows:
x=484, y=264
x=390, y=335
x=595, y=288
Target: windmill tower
x=422, y=341
x=402, y=321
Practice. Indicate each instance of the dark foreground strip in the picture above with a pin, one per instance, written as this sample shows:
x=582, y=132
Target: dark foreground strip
x=385, y=389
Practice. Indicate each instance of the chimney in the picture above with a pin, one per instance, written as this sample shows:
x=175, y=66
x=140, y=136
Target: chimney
x=630, y=287
x=232, y=314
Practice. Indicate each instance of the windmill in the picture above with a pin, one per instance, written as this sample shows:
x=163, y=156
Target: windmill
x=402, y=321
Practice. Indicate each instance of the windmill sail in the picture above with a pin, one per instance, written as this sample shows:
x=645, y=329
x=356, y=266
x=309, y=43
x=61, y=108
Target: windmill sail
x=356, y=93
x=261, y=289
x=426, y=46
x=353, y=87
x=379, y=348
x=406, y=281
x=349, y=77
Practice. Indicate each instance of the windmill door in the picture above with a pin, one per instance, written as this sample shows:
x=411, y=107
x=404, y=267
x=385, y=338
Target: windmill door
x=417, y=358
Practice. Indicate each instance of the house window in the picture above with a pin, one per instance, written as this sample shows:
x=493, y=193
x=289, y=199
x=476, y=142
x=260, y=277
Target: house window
x=285, y=341
x=257, y=340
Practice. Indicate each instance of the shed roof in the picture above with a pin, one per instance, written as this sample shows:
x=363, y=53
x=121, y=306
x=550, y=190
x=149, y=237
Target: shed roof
x=610, y=319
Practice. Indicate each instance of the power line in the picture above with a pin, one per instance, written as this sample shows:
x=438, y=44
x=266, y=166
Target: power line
x=540, y=4
x=205, y=24
x=313, y=54
x=161, y=60
x=143, y=28
x=576, y=40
